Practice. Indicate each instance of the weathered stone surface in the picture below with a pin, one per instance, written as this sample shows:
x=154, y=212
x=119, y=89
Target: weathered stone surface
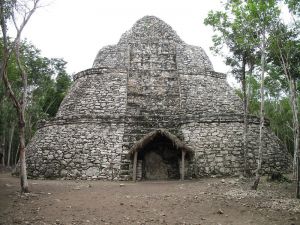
x=150, y=80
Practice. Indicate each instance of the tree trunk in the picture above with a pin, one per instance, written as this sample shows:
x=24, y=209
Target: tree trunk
x=245, y=131
x=12, y=130
x=294, y=104
x=298, y=178
x=134, y=166
x=182, y=165
x=293, y=94
x=22, y=132
x=3, y=148
x=262, y=105
x=23, y=172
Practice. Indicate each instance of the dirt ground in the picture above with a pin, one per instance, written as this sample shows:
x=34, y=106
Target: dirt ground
x=205, y=201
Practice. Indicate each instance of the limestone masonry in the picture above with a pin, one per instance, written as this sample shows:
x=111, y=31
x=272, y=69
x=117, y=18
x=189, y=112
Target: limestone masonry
x=150, y=81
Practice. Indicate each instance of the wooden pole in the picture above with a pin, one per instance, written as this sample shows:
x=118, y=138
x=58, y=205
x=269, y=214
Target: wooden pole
x=134, y=166
x=182, y=165
x=298, y=178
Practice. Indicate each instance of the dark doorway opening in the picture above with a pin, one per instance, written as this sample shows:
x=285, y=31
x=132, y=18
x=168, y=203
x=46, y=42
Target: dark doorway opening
x=162, y=156
x=160, y=159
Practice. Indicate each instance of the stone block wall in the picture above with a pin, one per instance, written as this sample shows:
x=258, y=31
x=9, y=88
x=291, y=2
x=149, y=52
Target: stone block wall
x=112, y=56
x=152, y=78
x=96, y=148
x=76, y=151
x=96, y=92
x=192, y=60
x=219, y=148
x=207, y=94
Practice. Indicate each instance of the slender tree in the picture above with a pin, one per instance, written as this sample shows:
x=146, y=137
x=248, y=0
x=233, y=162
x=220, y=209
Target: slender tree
x=19, y=12
x=236, y=34
x=262, y=13
x=285, y=54
x=3, y=148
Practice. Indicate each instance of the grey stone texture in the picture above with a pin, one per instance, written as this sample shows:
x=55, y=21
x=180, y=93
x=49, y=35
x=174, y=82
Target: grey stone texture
x=150, y=80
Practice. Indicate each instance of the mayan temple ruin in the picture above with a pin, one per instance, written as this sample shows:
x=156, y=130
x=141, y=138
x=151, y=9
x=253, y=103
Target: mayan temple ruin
x=151, y=107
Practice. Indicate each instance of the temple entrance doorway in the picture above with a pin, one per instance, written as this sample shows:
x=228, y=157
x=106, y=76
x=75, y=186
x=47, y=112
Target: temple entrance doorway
x=161, y=155
x=160, y=160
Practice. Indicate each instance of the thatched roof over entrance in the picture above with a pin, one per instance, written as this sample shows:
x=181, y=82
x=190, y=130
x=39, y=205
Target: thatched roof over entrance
x=148, y=138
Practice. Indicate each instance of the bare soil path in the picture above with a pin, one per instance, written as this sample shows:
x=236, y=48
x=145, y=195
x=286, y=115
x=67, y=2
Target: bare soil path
x=205, y=201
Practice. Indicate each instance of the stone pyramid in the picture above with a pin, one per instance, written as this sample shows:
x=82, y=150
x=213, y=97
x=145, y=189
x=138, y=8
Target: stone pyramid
x=154, y=95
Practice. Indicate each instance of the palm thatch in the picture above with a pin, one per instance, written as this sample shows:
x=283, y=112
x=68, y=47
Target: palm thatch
x=148, y=138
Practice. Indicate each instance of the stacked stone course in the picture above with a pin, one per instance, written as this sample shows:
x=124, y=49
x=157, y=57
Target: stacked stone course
x=150, y=80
